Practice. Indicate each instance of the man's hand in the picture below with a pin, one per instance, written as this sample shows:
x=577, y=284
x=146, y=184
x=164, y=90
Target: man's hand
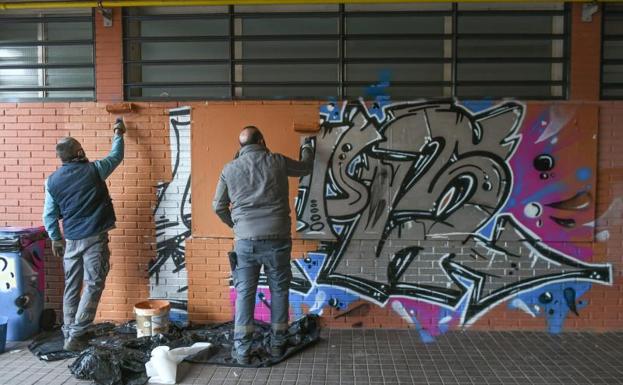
x=119, y=126
x=58, y=248
x=307, y=142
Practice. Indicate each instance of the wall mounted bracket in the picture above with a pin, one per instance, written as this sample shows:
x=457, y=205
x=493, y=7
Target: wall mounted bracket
x=106, y=14
x=588, y=10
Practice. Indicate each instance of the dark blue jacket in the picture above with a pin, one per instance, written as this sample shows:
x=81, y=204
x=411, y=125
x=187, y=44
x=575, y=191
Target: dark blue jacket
x=83, y=199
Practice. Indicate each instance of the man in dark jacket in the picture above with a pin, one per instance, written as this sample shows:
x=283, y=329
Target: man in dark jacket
x=77, y=194
x=255, y=184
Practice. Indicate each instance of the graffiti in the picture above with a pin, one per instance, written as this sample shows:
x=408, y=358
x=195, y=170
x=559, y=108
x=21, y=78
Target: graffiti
x=172, y=216
x=22, y=279
x=426, y=171
x=440, y=211
x=553, y=302
x=8, y=281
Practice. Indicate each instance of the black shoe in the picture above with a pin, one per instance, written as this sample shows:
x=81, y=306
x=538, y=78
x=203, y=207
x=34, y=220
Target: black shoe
x=277, y=351
x=278, y=344
x=241, y=359
x=75, y=344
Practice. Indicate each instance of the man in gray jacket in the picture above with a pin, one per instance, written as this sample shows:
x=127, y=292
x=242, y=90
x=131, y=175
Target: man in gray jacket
x=255, y=185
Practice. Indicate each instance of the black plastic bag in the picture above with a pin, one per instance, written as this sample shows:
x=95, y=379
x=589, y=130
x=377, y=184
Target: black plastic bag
x=103, y=366
x=98, y=365
x=48, y=346
x=116, y=357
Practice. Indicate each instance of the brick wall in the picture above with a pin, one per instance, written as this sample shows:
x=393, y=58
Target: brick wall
x=208, y=276
x=585, y=55
x=109, y=58
x=608, y=302
x=29, y=131
x=605, y=303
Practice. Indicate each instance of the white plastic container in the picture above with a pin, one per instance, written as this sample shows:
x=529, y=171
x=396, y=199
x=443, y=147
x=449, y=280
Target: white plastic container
x=162, y=367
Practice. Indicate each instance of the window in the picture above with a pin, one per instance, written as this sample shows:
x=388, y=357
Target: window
x=512, y=50
x=46, y=57
x=347, y=51
x=405, y=45
x=612, y=52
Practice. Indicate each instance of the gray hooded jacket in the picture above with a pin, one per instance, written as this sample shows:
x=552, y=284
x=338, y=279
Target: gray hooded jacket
x=256, y=186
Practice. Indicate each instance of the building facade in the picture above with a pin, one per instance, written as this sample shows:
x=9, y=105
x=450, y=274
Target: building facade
x=467, y=168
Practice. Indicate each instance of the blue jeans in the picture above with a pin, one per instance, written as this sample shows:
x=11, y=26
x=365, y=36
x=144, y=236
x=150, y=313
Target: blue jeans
x=274, y=255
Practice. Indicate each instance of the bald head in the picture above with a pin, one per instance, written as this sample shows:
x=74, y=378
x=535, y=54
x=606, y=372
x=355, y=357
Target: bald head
x=69, y=149
x=251, y=135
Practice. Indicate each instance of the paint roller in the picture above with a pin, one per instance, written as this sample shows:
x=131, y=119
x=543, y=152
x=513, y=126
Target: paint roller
x=306, y=124
x=305, y=127
x=120, y=108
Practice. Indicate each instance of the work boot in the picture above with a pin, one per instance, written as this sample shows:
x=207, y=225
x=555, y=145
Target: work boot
x=243, y=344
x=277, y=351
x=278, y=344
x=241, y=359
x=75, y=344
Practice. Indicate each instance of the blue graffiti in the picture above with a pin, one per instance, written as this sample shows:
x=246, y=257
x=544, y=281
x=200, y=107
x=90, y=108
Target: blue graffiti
x=378, y=92
x=332, y=111
x=425, y=336
x=321, y=295
x=583, y=174
x=476, y=106
x=553, y=302
x=312, y=264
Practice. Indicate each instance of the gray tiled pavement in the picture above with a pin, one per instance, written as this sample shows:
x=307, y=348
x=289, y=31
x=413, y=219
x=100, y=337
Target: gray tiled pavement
x=395, y=357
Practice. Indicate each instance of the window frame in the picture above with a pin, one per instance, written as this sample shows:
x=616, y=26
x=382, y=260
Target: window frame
x=44, y=88
x=564, y=59
x=342, y=84
x=614, y=37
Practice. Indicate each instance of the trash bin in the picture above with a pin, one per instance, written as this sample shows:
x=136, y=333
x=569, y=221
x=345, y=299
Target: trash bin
x=3, y=326
x=22, y=279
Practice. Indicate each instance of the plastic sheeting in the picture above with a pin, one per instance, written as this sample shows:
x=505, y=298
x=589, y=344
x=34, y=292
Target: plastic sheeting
x=48, y=346
x=116, y=357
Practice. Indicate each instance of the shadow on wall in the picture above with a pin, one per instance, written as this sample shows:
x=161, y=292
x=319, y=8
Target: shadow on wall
x=441, y=210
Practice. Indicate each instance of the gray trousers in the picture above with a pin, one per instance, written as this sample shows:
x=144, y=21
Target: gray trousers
x=274, y=255
x=85, y=261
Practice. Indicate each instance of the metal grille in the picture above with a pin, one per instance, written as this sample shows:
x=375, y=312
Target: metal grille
x=47, y=57
x=612, y=52
x=347, y=51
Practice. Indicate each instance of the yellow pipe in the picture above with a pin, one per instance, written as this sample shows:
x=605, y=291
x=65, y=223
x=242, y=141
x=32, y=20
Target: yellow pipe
x=174, y=3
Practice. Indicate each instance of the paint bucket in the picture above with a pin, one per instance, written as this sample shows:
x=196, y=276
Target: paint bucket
x=4, y=323
x=152, y=317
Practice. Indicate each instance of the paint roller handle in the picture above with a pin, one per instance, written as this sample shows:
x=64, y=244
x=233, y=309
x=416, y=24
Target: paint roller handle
x=119, y=126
